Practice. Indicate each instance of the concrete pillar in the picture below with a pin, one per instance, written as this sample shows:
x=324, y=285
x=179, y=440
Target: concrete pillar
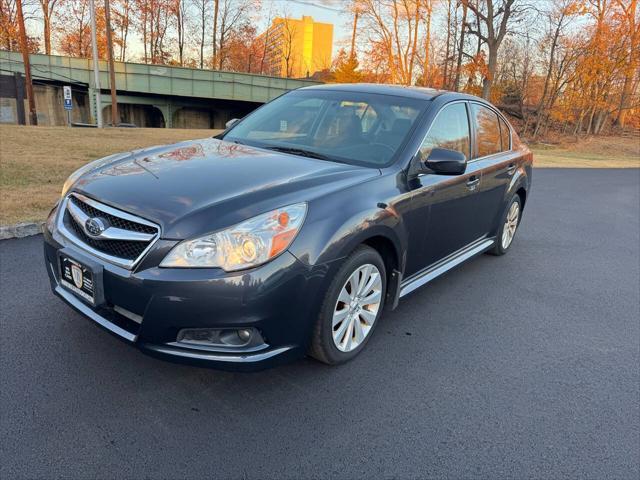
x=93, y=111
x=19, y=85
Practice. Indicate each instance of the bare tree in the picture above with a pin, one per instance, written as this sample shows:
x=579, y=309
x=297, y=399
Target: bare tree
x=233, y=14
x=202, y=7
x=216, y=9
x=393, y=30
x=463, y=23
x=121, y=10
x=632, y=60
x=558, y=18
x=179, y=10
x=48, y=11
x=288, y=45
x=265, y=40
x=494, y=17
x=33, y=117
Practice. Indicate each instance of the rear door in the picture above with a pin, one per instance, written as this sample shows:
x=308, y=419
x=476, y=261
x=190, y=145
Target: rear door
x=496, y=161
x=451, y=223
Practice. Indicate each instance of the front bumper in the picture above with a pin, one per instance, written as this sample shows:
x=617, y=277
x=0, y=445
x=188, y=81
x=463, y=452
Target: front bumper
x=148, y=306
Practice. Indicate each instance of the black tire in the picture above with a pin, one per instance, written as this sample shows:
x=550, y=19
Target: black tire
x=322, y=346
x=499, y=249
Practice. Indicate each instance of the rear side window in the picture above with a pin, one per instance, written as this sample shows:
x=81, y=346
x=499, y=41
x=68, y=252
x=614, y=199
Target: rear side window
x=505, y=135
x=449, y=130
x=487, y=130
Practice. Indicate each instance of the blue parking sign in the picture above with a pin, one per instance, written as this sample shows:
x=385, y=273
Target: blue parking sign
x=67, y=104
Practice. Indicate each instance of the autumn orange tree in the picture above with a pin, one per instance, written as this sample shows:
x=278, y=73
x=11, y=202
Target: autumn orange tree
x=9, y=34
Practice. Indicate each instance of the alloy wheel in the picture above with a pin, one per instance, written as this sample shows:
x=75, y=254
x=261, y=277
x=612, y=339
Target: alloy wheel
x=510, y=225
x=357, y=307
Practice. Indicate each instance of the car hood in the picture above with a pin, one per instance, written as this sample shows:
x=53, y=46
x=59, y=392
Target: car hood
x=199, y=186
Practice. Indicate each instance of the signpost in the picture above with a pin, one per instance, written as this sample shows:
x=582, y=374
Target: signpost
x=68, y=102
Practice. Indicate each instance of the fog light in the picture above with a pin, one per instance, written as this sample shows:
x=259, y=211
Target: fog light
x=225, y=337
x=244, y=334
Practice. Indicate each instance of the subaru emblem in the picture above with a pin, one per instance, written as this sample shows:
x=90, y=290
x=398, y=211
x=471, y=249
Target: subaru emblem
x=95, y=226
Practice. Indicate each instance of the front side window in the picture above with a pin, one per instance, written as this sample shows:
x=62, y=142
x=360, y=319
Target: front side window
x=487, y=130
x=351, y=127
x=449, y=130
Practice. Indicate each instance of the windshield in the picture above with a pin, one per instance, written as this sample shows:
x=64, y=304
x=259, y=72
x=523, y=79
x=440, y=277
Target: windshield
x=350, y=127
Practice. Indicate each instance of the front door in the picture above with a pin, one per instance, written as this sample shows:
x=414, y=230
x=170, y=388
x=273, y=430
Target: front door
x=451, y=222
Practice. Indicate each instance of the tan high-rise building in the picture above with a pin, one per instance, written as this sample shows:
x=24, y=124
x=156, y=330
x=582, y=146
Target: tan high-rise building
x=297, y=48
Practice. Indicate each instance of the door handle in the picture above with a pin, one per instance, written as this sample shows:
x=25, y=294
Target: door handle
x=511, y=169
x=473, y=182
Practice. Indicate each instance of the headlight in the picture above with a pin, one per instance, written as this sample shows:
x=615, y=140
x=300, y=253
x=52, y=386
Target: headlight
x=248, y=244
x=51, y=219
x=73, y=178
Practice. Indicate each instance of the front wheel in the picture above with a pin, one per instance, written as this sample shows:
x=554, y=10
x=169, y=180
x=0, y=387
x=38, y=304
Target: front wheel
x=510, y=222
x=351, y=308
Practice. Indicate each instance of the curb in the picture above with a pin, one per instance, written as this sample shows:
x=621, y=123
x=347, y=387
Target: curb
x=20, y=230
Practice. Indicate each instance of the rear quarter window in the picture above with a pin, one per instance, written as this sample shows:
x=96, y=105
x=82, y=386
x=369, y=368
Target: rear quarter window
x=505, y=135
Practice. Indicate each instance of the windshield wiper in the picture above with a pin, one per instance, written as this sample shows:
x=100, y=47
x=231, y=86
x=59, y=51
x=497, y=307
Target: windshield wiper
x=300, y=151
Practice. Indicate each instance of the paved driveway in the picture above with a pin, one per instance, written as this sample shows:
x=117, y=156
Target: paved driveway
x=520, y=366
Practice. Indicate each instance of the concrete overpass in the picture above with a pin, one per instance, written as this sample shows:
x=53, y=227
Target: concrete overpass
x=148, y=95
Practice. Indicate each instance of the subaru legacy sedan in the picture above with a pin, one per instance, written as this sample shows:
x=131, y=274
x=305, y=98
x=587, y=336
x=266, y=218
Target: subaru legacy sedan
x=293, y=230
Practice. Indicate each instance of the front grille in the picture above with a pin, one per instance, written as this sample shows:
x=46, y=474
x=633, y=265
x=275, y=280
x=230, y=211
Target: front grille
x=113, y=220
x=125, y=250
x=116, y=248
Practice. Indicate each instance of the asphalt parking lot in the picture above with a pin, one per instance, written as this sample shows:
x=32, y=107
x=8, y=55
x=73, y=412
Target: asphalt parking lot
x=524, y=366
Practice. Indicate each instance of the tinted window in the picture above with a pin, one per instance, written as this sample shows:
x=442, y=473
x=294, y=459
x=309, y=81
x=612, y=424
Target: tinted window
x=505, y=134
x=351, y=127
x=487, y=130
x=449, y=130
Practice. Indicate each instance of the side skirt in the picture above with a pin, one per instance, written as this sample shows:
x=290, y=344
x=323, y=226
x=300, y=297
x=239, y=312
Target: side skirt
x=444, y=265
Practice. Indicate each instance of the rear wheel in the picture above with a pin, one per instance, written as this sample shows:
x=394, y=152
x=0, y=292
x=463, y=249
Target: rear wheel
x=510, y=222
x=351, y=308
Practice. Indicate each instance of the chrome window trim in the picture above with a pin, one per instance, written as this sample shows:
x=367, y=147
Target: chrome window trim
x=472, y=136
x=72, y=238
x=424, y=137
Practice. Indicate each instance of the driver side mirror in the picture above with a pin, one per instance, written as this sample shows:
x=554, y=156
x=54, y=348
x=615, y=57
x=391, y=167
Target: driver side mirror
x=231, y=122
x=443, y=161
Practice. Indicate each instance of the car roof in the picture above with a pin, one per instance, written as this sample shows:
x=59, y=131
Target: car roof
x=396, y=90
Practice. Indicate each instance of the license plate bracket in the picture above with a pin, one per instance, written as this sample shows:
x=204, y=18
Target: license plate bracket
x=81, y=276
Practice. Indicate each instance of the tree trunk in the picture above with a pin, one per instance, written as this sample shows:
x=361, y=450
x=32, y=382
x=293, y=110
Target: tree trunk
x=414, y=47
x=180, y=25
x=456, y=84
x=24, y=46
x=540, y=110
x=353, y=35
x=46, y=16
x=427, y=45
x=631, y=65
x=487, y=82
x=216, y=6
x=112, y=73
x=202, y=37
x=445, y=78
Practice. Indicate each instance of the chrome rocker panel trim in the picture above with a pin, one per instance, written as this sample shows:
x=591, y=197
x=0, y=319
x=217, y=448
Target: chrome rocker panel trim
x=443, y=266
